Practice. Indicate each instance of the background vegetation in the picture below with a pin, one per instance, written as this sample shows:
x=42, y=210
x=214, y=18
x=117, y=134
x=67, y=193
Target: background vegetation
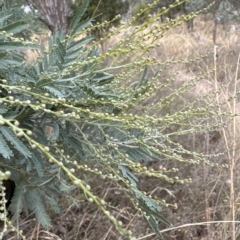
x=193, y=107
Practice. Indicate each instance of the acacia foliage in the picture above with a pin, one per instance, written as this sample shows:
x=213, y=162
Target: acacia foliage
x=68, y=112
x=56, y=15
x=101, y=11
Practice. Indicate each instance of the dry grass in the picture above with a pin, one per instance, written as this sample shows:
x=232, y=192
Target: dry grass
x=213, y=195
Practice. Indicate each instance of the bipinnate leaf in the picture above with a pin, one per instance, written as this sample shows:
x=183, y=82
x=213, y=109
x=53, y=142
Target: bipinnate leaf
x=35, y=202
x=78, y=15
x=13, y=139
x=5, y=151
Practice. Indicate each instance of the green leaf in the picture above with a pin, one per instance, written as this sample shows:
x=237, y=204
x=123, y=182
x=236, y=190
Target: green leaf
x=64, y=187
x=37, y=165
x=54, y=91
x=59, y=64
x=53, y=204
x=43, y=82
x=5, y=62
x=154, y=225
x=4, y=149
x=150, y=207
x=14, y=28
x=32, y=72
x=4, y=16
x=78, y=15
x=128, y=175
x=83, y=25
x=18, y=199
x=102, y=78
x=12, y=138
x=4, y=46
x=60, y=51
x=35, y=203
x=143, y=80
x=137, y=153
x=73, y=143
x=79, y=44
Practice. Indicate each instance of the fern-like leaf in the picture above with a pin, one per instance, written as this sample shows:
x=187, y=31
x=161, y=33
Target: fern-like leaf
x=35, y=203
x=154, y=225
x=150, y=207
x=79, y=14
x=84, y=24
x=54, y=91
x=128, y=175
x=37, y=165
x=18, y=199
x=5, y=151
x=15, y=27
x=4, y=46
x=4, y=16
x=53, y=204
x=19, y=145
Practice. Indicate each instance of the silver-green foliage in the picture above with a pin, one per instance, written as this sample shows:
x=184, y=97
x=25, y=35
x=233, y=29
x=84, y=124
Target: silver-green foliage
x=62, y=109
x=65, y=113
